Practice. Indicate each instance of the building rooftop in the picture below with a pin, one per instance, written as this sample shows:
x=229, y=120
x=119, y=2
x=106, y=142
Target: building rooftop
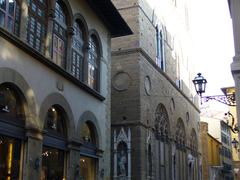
x=111, y=17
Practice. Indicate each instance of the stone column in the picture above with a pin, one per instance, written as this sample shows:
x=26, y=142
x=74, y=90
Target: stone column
x=129, y=154
x=33, y=155
x=235, y=6
x=48, y=42
x=73, y=163
x=24, y=22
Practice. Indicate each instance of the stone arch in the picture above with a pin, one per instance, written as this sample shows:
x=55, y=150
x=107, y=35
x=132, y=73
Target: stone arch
x=96, y=35
x=67, y=9
x=8, y=75
x=59, y=100
x=81, y=20
x=88, y=116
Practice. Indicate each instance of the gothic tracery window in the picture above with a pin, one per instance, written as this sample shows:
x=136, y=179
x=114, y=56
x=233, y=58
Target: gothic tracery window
x=162, y=136
x=161, y=122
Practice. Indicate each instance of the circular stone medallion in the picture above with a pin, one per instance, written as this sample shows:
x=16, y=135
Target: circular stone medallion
x=121, y=81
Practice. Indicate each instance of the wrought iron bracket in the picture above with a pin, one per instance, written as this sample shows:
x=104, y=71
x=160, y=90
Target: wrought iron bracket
x=228, y=99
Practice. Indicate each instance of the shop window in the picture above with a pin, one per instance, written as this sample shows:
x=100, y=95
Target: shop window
x=77, y=52
x=36, y=29
x=59, y=35
x=10, y=151
x=93, y=62
x=87, y=134
x=11, y=105
x=11, y=131
x=55, y=121
x=88, y=152
x=54, y=144
x=52, y=163
x=10, y=15
x=87, y=168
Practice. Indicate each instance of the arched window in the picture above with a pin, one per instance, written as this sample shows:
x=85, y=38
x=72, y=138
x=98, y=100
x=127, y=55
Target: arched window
x=59, y=35
x=88, y=151
x=36, y=29
x=77, y=51
x=180, y=138
x=54, y=144
x=12, y=124
x=10, y=15
x=93, y=62
x=162, y=136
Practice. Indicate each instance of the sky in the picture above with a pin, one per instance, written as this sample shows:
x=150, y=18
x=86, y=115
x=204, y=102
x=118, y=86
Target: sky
x=213, y=43
x=213, y=47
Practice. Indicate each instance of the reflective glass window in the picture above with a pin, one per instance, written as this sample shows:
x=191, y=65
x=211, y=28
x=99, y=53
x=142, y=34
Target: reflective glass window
x=36, y=30
x=52, y=164
x=10, y=15
x=10, y=152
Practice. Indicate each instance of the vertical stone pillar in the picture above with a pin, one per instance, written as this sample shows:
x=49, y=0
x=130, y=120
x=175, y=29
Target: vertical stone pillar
x=73, y=163
x=129, y=154
x=51, y=16
x=24, y=22
x=33, y=156
x=115, y=155
x=68, y=58
x=235, y=6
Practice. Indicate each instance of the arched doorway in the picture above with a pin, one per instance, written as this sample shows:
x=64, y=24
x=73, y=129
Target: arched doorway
x=54, y=144
x=12, y=134
x=88, y=151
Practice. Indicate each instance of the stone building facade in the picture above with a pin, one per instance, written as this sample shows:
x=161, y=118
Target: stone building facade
x=234, y=6
x=55, y=62
x=155, y=129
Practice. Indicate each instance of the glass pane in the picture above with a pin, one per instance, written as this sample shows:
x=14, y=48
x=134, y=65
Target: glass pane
x=87, y=168
x=11, y=7
x=55, y=121
x=10, y=24
x=86, y=134
x=2, y=19
x=52, y=164
x=3, y=4
x=9, y=157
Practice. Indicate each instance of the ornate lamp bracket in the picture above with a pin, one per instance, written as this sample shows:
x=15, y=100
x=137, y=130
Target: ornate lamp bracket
x=228, y=99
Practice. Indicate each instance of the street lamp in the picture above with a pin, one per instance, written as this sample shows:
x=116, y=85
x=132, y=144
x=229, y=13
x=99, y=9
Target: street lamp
x=200, y=86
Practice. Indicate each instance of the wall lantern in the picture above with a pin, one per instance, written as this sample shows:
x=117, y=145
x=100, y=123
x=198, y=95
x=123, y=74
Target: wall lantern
x=200, y=87
x=200, y=84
